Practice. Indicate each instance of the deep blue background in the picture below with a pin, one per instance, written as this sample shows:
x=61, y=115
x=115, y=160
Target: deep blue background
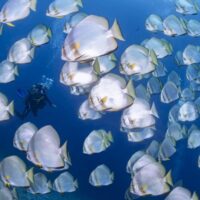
x=131, y=15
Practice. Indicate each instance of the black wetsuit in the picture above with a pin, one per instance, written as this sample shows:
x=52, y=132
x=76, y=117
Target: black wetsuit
x=35, y=100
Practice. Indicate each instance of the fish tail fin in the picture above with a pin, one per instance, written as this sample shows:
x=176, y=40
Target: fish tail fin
x=196, y=5
x=49, y=184
x=32, y=52
x=14, y=193
x=113, y=57
x=109, y=136
x=16, y=71
x=69, y=159
x=67, y=28
x=84, y=150
x=148, y=93
x=29, y=174
x=194, y=196
x=96, y=66
x=166, y=188
x=154, y=110
x=49, y=32
x=10, y=24
x=184, y=23
x=153, y=57
x=11, y=108
x=63, y=150
x=76, y=183
x=169, y=48
x=116, y=31
x=65, y=153
x=1, y=28
x=63, y=54
x=168, y=178
x=184, y=131
x=79, y=2
x=33, y=5
x=112, y=176
x=130, y=89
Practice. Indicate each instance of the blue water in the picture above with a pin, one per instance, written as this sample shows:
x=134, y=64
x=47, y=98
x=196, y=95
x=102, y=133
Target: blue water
x=131, y=15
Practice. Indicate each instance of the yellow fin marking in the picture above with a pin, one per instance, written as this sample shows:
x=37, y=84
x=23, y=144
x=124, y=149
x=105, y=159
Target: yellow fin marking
x=104, y=99
x=132, y=66
x=75, y=45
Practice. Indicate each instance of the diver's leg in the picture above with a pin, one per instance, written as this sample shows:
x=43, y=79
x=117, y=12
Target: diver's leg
x=34, y=110
x=24, y=113
x=26, y=109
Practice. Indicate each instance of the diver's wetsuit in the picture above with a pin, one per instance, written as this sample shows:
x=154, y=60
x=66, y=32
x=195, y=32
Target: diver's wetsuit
x=35, y=100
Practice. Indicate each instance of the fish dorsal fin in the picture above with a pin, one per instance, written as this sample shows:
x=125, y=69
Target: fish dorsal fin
x=154, y=110
x=100, y=20
x=116, y=32
x=118, y=78
x=92, y=19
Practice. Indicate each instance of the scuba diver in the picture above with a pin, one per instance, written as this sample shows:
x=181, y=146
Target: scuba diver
x=35, y=100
